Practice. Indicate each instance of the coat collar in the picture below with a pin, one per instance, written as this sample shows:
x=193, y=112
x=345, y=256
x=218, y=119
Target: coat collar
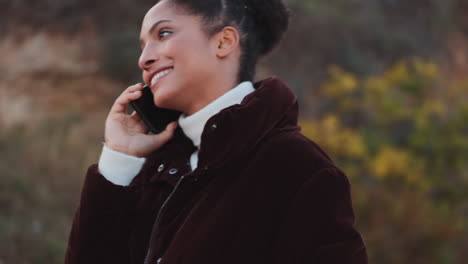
x=238, y=129
x=194, y=124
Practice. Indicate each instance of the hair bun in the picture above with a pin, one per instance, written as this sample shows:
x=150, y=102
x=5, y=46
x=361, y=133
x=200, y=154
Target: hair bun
x=271, y=19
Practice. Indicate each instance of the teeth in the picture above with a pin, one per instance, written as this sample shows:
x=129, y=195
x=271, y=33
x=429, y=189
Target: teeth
x=159, y=75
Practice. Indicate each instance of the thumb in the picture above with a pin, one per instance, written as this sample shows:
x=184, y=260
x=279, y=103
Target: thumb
x=163, y=137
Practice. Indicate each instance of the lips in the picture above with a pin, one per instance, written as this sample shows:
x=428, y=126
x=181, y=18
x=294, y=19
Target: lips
x=157, y=75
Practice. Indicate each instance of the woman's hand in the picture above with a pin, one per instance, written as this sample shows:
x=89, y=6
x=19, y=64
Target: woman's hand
x=128, y=133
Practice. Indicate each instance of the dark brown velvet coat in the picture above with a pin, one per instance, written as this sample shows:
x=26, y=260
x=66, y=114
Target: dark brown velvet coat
x=262, y=193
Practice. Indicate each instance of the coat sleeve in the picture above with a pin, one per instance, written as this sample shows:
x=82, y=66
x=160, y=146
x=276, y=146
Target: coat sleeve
x=101, y=226
x=319, y=227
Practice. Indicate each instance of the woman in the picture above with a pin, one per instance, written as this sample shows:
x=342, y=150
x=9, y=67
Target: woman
x=235, y=182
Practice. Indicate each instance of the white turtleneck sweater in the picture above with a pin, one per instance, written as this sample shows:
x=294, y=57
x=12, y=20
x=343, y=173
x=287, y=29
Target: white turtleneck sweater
x=120, y=168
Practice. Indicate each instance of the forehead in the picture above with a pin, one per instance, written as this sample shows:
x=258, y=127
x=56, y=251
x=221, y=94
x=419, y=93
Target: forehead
x=164, y=10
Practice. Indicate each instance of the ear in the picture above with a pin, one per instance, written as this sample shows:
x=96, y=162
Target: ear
x=227, y=41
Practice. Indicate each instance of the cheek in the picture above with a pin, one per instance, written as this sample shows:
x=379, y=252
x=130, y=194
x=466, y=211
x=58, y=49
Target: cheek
x=190, y=49
x=192, y=59
x=198, y=60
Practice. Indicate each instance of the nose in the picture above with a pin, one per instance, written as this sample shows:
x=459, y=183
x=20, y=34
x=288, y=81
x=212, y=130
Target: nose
x=147, y=59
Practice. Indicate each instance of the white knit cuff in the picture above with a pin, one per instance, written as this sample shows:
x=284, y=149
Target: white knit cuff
x=119, y=168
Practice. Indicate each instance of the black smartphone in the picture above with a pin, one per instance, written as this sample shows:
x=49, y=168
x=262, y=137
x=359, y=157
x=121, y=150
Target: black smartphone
x=155, y=118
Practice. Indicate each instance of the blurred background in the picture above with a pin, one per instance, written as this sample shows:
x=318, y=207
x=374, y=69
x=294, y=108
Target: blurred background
x=382, y=84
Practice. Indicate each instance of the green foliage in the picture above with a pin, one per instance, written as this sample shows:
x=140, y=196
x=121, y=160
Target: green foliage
x=402, y=137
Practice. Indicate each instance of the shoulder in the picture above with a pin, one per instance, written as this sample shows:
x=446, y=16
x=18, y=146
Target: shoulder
x=295, y=165
x=292, y=148
x=292, y=157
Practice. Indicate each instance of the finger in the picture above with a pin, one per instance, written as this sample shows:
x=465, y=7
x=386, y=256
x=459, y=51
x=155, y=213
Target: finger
x=135, y=116
x=133, y=88
x=121, y=103
x=129, y=90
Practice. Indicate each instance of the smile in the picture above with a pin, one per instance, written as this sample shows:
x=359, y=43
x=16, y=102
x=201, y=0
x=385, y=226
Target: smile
x=159, y=75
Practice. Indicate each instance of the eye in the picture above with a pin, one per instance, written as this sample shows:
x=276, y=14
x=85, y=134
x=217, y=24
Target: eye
x=164, y=33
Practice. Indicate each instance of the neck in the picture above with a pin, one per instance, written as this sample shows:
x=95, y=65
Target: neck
x=210, y=91
x=193, y=125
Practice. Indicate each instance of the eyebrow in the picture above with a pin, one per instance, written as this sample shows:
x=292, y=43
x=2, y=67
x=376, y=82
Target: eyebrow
x=154, y=26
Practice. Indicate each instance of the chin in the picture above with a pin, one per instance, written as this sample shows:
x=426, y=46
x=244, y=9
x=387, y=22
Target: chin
x=160, y=102
x=165, y=100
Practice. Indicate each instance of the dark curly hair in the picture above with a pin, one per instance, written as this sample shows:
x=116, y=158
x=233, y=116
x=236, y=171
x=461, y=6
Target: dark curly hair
x=260, y=23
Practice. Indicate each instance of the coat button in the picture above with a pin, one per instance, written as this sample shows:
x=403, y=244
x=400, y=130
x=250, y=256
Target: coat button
x=173, y=171
x=161, y=167
x=159, y=261
x=214, y=126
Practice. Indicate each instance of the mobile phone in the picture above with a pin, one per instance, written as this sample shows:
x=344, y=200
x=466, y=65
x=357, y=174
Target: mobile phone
x=155, y=118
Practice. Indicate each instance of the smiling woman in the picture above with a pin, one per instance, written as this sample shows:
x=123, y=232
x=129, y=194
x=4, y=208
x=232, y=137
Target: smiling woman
x=175, y=44
x=236, y=181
